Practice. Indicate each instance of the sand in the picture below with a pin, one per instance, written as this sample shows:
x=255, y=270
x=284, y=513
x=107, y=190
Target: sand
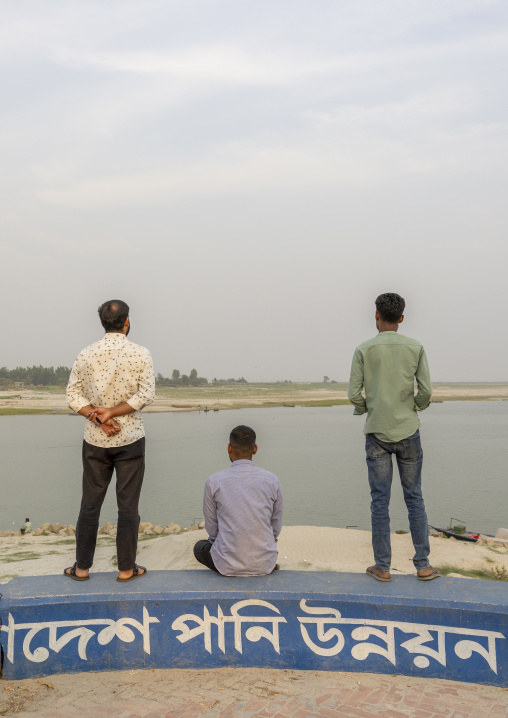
x=301, y=548
x=235, y=396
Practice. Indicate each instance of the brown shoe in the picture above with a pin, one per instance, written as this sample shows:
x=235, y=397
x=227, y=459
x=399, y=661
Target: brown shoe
x=429, y=576
x=378, y=575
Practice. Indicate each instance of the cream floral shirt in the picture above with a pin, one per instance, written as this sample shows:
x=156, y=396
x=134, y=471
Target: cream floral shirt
x=108, y=373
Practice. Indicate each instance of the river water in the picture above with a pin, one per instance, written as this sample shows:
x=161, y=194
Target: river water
x=317, y=453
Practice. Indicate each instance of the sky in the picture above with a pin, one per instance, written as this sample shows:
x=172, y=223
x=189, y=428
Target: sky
x=249, y=176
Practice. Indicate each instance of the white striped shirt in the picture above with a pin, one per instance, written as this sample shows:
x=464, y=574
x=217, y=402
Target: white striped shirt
x=242, y=506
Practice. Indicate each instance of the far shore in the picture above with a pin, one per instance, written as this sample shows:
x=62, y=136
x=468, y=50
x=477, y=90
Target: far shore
x=51, y=400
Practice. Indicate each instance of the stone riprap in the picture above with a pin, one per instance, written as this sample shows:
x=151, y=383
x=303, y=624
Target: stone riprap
x=146, y=528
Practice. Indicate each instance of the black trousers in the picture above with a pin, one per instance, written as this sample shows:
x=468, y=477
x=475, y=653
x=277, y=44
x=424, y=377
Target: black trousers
x=202, y=554
x=98, y=465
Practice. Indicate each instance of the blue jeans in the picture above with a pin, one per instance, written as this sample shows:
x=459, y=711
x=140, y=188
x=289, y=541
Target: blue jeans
x=409, y=455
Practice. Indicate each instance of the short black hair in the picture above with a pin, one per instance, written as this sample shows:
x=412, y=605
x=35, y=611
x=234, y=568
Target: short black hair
x=390, y=306
x=27, y=519
x=113, y=315
x=242, y=439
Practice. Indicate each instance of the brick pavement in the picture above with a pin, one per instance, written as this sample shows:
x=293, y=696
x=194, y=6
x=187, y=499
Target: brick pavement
x=248, y=693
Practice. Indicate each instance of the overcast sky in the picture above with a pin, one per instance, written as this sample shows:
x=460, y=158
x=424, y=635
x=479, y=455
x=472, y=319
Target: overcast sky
x=249, y=175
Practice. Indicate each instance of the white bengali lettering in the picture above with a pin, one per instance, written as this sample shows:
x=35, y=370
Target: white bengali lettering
x=322, y=615
x=78, y=630
x=254, y=633
x=427, y=643
x=385, y=631
x=363, y=650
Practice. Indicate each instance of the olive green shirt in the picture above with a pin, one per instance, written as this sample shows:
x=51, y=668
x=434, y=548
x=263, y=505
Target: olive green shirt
x=386, y=368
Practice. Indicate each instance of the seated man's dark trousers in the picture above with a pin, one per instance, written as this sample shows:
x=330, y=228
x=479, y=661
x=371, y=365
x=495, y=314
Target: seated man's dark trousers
x=202, y=554
x=98, y=465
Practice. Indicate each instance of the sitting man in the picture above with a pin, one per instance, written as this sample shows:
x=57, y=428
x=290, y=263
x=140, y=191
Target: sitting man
x=242, y=506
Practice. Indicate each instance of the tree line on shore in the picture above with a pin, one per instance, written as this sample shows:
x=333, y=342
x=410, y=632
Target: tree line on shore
x=178, y=379
x=35, y=376
x=59, y=376
x=192, y=379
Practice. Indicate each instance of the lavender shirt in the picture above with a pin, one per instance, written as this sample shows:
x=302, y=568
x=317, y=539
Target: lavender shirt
x=242, y=506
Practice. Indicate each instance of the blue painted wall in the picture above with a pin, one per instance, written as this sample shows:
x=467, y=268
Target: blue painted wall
x=449, y=628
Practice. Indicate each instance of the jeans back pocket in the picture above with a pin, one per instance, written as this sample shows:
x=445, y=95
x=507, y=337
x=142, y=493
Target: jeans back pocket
x=373, y=448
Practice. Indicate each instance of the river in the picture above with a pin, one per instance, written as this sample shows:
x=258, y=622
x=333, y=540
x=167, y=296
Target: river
x=318, y=454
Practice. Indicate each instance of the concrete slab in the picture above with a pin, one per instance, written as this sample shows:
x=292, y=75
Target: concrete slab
x=448, y=628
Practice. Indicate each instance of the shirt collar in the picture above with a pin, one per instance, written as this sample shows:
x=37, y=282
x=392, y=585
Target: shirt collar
x=242, y=461
x=111, y=336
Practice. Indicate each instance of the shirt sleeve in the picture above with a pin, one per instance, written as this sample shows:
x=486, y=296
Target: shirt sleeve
x=422, y=376
x=146, y=386
x=354, y=393
x=210, y=513
x=76, y=399
x=277, y=513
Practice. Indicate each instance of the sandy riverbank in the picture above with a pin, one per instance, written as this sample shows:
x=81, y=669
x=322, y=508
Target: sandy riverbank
x=52, y=400
x=301, y=548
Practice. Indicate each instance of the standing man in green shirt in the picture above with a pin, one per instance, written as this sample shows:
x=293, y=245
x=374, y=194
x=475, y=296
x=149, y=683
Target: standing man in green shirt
x=386, y=367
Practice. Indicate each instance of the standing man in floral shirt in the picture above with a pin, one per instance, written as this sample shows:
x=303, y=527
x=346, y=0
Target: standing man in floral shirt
x=110, y=383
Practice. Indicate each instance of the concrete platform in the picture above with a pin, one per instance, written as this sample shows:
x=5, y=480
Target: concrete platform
x=448, y=628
